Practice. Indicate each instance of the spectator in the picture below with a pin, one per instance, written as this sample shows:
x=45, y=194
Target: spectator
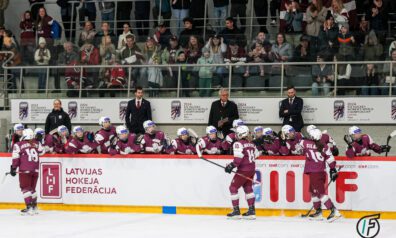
x=151, y=55
x=43, y=26
x=65, y=58
x=261, y=12
x=68, y=20
x=184, y=74
x=220, y=12
x=87, y=35
x=154, y=76
x=371, y=81
x=180, y=10
x=106, y=50
x=291, y=108
x=16, y=60
x=293, y=18
x=35, y=5
x=75, y=80
x=142, y=16
x=361, y=33
x=322, y=76
x=282, y=51
x=189, y=30
x=90, y=55
x=315, y=17
x=387, y=78
x=138, y=111
x=372, y=50
x=162, y=35
x=169, y=56
x=42, y=56
x=122, y=37
x=235, y=55
x=340, y=14
x=217, y=50
x=197, y=12
x=132, y=55
x=124, y=10
x=107, y=12
x=88, y=9
x=256, y=55
x=166, y=12
x=260, y=38
x=27, y=38
x=193, y=50
x=377, y=15
x=231, y=32
x=223, y=112
x=343, y=78
x=328, y=36
x=205, y=73
x=105, y=31
x=238, y=8
x=303, y=52
x=57, y=118
x=113, y=79
x=346, y=41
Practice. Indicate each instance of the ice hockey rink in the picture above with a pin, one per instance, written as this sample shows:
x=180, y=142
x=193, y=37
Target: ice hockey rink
x=115, y=225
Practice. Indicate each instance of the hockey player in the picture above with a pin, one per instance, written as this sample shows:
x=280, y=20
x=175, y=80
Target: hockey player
x=125, y=143
x=289, y=140
x=360, y=144
x=105, y=136
x=153, y=142
x=82, y=142
x=16, y=136
x=271, y=144
x=210, y=144
x=56, y=142
x=258, y=138
x=184, y=143
x=245, y=154
x=316, y=157
x=326, y=140
x=231, y=138
x=26, y=156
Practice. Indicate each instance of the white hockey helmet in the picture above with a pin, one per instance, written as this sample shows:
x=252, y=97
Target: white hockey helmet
x=315, y=134
x=354, y=130
x=148, y=124
x=287, y=129
x=38, y=130
x=78, y=129
x=121, y=130
x=62, y=129
x=242, y=131
x=211, y=130
x=27, y=134
x=237, y=122
x=311, y=127
x=103, y=120
x=18, y=127
x=268, y=131
x=182, y=131
x=258, y=129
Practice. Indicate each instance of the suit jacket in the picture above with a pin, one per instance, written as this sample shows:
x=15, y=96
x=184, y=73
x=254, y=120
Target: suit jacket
x=135, y=117
x=218, y=112
x=293, y=117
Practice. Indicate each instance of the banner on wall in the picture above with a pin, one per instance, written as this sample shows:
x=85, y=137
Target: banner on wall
x=196, y=110
x=149, y=181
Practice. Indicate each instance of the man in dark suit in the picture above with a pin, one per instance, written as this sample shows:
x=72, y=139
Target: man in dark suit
x=138, y=111
x=223, y=112
x=291, y=108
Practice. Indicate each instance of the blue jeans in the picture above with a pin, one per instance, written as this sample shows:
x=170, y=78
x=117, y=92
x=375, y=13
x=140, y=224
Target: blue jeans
x=179, y=14
x=42, y=76
x=370, y=90
x=220, y=13
x=385, y=89
x=316, y=87
x=109, y=17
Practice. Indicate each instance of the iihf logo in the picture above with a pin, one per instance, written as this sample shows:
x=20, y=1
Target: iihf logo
x=339, y=110
x=393, y=113
x=72, y=109
x=175, y=109
x=368, y=226
x=23, y=110
x=122, y=109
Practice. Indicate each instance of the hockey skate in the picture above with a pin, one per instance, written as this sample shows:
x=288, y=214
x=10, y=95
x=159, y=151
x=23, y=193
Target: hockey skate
x=250, y=214
x=34, y=208
x=334, y=215
x=28, y=211
x=317, y=215
x=235, y=214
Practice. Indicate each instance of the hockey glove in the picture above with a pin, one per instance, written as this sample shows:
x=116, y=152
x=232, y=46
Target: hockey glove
x=12, y=171
x=348, y=140
x=333, y=174
x=91, y=136
x=335, y=152
x=229, y=167
x=385, y=148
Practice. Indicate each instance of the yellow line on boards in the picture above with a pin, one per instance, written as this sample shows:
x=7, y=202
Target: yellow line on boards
x=186, y=210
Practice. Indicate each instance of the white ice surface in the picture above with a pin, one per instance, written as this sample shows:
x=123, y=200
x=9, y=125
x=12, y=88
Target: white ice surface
x=115, y=225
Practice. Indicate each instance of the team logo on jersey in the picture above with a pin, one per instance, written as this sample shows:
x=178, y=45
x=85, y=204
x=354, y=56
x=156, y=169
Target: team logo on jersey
x=51, y=184
x=368, y=226
x=393, y=110
x=175, y=109
x=23, y=110
x=123, y=108
x=72, y=109
x=339, y=110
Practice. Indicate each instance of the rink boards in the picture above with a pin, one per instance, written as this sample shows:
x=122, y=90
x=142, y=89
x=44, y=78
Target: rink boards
x=188, y=185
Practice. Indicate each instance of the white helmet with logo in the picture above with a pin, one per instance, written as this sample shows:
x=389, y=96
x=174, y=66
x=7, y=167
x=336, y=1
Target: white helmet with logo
x=315, y=134
x=268, y=131
x=78, y=129
x=311, y=127
x=148, y=124
x=354, y=130
x=62, y=128
x=242, y=131
x=103, y=120
x=258, y=129
x=286, y=129
x=38, y=130
x=121, y=130
x=237, y=122
x=211, y=130
x=182, y=131
x=18, y=127
x=27, y=134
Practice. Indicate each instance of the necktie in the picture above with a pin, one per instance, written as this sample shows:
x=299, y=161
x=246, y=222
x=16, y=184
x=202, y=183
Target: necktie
x=290, y=101
x=223, y=104
x=138, y=104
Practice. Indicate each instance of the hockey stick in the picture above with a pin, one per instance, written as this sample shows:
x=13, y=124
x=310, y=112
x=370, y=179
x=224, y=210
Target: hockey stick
x=388, y=139
x=327, y=186
x=221, y=166
x=4, y=177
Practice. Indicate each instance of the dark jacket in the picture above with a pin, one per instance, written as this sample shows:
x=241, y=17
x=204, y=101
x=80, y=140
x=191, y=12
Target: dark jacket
x=293, y=117
x=233, y=34
x=55, y=119
x=218, y=112
x=135, y=117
